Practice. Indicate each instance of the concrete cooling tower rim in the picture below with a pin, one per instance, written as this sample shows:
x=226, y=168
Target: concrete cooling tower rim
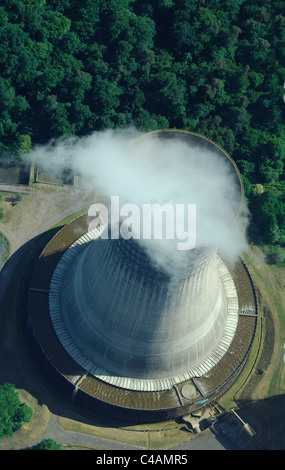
x=178, y=133
x=132, y=383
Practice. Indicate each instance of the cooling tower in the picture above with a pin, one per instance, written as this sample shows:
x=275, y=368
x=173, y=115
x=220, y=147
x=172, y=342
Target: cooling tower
x=131, y=324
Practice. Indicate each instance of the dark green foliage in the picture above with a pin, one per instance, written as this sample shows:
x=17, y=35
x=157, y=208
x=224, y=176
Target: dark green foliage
x=268, y=212
x=48, y=444
x=71, y=67
x=13, y=413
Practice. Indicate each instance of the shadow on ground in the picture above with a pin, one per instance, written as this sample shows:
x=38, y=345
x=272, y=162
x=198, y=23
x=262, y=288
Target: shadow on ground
x=19, y=363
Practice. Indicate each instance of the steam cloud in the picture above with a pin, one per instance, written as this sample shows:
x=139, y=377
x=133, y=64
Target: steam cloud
x=145, y=169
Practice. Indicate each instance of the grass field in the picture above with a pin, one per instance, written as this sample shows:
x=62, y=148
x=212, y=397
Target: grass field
x=260, y=389
x=270, y=282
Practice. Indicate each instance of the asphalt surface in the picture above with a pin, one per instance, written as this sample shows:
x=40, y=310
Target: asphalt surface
x=203, y=441
x=62, y=436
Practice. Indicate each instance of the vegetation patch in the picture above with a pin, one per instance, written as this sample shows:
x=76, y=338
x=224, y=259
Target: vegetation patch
x=48, y=444
x=69, y=68
x=13, y=413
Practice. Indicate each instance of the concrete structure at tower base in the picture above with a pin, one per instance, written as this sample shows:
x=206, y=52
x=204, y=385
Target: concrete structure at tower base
x=138, y=406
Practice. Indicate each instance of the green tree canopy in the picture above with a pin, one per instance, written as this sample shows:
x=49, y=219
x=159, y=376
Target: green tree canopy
x=71, y=67
x=48, y=444
x=13, y=413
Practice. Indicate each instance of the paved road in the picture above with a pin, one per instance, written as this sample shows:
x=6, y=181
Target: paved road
x=62, y=436
x=203, y=441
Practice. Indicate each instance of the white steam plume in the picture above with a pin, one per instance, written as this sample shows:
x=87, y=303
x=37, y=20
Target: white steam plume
x=147, y=169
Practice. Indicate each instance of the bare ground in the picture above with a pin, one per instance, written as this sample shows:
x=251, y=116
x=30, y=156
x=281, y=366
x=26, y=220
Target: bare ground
x=41, y=209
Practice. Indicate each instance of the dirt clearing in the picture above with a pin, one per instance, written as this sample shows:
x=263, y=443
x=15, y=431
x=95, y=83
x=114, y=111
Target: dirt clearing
x=41, y=209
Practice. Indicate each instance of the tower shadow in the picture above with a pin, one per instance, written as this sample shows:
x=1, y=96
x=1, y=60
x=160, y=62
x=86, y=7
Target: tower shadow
x=20, y=365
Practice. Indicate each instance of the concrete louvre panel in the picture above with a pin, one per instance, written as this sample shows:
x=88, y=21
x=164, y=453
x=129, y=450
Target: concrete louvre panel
x=164, y=359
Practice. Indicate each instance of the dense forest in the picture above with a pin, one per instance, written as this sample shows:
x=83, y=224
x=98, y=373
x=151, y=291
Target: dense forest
x=216, y=67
